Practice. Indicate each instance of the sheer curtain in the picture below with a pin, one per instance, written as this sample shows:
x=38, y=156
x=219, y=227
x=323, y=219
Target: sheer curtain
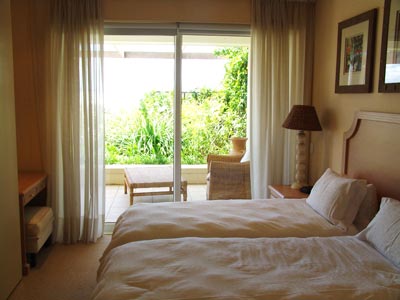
x=280, y=76
x=75, y=121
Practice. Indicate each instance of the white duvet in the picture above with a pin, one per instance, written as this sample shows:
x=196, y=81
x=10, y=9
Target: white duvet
x=221, y=218
x=238, y=268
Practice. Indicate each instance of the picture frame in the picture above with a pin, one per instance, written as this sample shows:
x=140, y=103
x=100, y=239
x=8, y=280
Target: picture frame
x=355, y=52
x=389, y=70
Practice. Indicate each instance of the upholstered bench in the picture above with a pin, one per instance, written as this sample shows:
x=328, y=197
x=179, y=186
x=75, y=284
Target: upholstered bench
x=38, y=228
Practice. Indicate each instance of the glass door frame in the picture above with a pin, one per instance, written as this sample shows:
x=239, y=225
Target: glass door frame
x=177, y=30
x=177, y=166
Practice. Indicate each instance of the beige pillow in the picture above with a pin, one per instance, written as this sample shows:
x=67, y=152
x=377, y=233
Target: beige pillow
x=337, y=198
x=368, y=208
x=383, y=233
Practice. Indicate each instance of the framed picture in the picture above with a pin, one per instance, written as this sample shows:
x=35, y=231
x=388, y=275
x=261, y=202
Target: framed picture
x=355, y=51
x=389, y=72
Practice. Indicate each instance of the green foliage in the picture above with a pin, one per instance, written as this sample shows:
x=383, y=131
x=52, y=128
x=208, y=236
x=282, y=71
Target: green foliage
x=202, y=127
x=235, y=80
x=143, y=136
x=209, y=119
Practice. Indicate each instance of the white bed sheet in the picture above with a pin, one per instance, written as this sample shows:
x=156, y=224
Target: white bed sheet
x=221, y=218
x=239, y=268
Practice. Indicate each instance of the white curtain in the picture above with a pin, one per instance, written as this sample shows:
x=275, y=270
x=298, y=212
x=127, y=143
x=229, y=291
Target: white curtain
x=75, y=121
x=280, y=76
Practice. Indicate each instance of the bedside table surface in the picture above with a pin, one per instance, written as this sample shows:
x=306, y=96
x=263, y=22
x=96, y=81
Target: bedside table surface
x=285, y=191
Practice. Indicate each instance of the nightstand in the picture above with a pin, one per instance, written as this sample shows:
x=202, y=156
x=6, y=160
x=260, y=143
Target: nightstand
x=285, y=191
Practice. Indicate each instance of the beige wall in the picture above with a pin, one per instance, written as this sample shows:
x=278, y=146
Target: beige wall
x=195, y=11
x=10, y=251
x=336, y=110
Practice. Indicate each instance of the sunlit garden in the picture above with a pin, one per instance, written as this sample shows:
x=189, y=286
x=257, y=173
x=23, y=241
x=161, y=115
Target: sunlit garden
x=209, y=119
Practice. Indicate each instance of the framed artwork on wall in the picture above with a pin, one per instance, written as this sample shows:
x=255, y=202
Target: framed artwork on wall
x=355, y=52
x=389, y=72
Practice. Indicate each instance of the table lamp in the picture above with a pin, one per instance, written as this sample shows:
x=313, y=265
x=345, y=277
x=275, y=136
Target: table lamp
x=301, y=118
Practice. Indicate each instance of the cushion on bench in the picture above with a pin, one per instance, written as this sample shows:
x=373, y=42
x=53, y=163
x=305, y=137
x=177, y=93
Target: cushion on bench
x=38, y=226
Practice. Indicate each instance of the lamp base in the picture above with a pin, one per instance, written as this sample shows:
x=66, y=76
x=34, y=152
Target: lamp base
x=296, y=186
x=301, y=161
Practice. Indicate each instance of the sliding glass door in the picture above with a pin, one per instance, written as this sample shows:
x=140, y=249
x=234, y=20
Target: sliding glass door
x=169, y=100
x=214, y=94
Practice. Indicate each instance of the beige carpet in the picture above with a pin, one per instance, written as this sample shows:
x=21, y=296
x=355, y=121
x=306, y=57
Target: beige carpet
x=63, y=272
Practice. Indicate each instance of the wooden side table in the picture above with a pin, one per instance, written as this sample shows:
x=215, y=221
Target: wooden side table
x=285, y=191
x=32, y=190
x=151, y=177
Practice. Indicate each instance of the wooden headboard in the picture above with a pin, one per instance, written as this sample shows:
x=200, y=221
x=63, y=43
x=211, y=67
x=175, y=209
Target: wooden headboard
x=372, y=151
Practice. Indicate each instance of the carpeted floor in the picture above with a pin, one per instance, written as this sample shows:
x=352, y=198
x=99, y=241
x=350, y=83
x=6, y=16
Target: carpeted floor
x=63, y=272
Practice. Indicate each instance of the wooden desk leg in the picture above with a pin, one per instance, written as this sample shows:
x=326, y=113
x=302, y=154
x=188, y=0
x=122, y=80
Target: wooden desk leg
x=25, y=264
x=125, y=185
x=131, y=195
x=184, y=189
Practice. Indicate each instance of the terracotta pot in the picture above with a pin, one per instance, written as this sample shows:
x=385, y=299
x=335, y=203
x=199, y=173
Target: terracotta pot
x=238, y=145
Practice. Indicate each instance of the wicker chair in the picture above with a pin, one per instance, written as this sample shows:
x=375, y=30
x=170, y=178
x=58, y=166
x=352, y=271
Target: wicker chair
x=227, y=177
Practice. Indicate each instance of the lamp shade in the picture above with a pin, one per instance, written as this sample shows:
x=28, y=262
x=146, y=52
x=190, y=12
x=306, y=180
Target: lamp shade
x=302, y=117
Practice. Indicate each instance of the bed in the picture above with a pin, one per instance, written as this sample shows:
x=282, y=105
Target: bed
x=277, y=218
x=221, y=218
x=269, y=265
x=366, y=266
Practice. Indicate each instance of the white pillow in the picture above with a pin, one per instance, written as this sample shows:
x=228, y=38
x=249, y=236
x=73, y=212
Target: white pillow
x=337, y=198
x=383, y=233
x=368, y=208
x=246, y=157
